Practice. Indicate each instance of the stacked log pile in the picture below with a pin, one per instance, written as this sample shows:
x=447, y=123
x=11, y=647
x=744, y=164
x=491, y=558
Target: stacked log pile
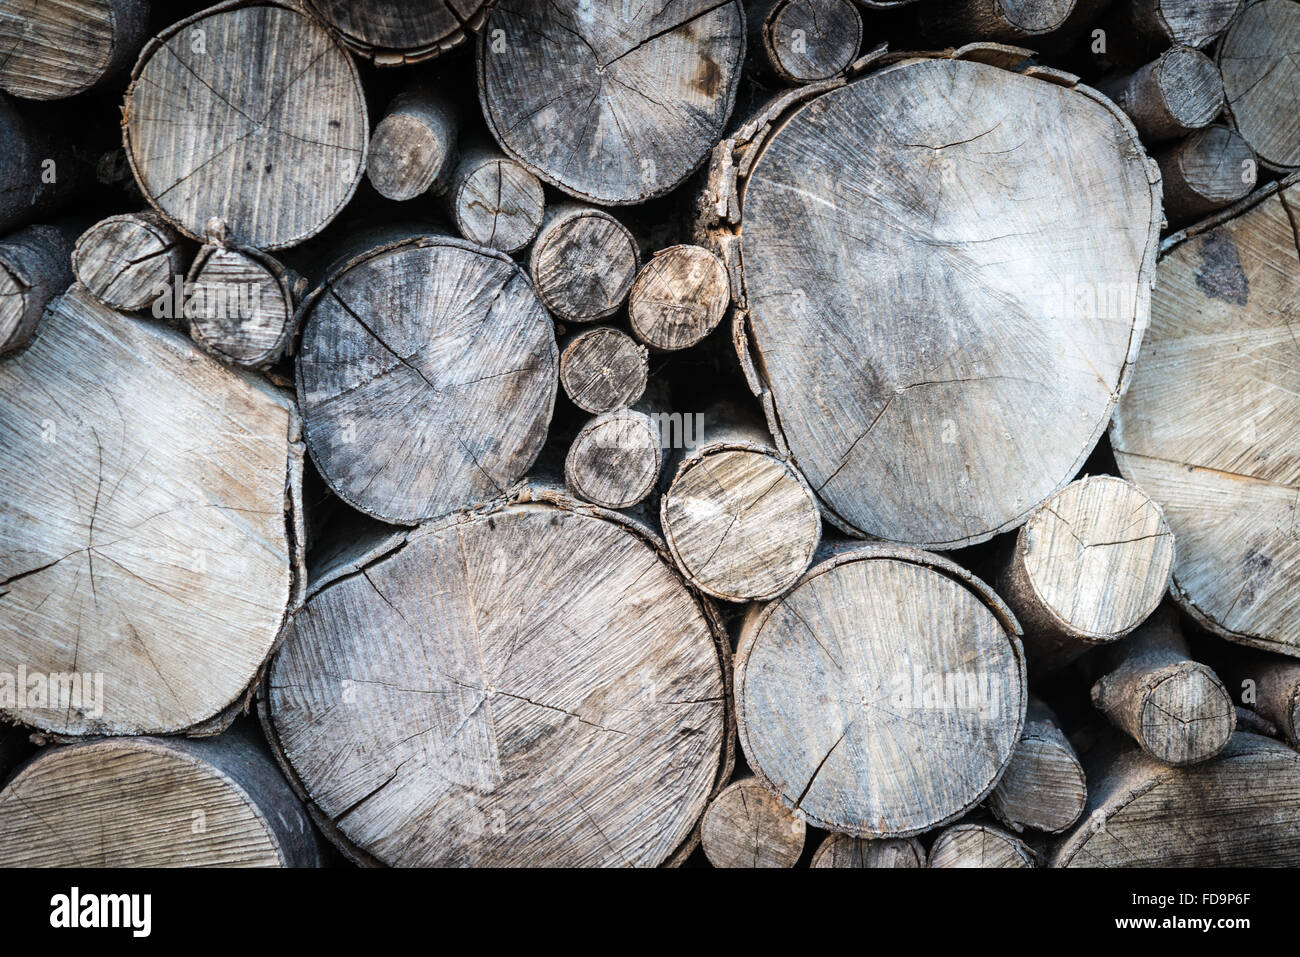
x=752, y=434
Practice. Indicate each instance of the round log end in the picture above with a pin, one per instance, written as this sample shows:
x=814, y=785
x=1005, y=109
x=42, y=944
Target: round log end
x=615, y=460
x=603, y=369
x=747, y=826
x=679, y=297
x=979, y=845
x=840, y=850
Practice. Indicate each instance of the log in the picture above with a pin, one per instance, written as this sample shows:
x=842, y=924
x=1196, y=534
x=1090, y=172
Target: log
x=155, y=802
x=39, y=173
x=746, y=826
x=1176, y=93
x=840, y=850
x=603, y=368
x=241, y=304
x=616, y=458
x=678, y=298
x=1193, y=23
x=128, y=262
x=495, y=201
x=1241, y=809
x=276, y=159
x=56, y=50
x=398, y=32
x=1044, y=787
x=1205, y=425
x=1261, y=81
x=413, y=149
x=740, y=521
x=150, y=539
x=1269, y=686
x=415, y=707
x=1087, y=568
x=614, y=108
x=1008, y=21
x=802, y=41
x=583, y=263
x=834, y=251
x=1175, y=708
x=1209, y=170
x=426, y=376
x=883, y=696
x=979, y=845
x=34, y=268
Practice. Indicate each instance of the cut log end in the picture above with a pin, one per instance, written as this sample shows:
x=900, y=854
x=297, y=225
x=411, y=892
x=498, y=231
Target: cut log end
x=1177, y=93
x=679, y=297
x=583, y=263
x=413, y=149
x=616, y=459
x=240, y=305
x=1209, y=170
x=1044, y=786
x=747, y=826
x=979, y=845
x=603, y=369
x=56, y=50
x=496, y=201
x=1194, y=23
x=840, y=850
x=398, y=32
x=129, y=261
x=803, y=41
x=34, y=268
x=1261, y=82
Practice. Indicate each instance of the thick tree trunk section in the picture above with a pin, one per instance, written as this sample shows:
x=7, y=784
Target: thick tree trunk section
x=467, y=740
x=1175, y=708
x=678, y=298
x=802, y=41
x=583, y=263
x=155, y=802
x=740, y=521
x=34, y=268
x=1171, y=96
x=840, y=850
x=1087, y=568
x=276, y=159
x=495, y=201
x=616, y=458
x=398, y=32
x=840, y=680
x=603, y=369
x=747, y=826
x=149, y=524
x=1207, y=171
x=38, y=173
x=1193, y=23
x=426, y=377
x=128, y=262
x=616, y=107
x=55, y=50
x=979, y=845
x=1044, y=787
x=243, y=304
x=1206, y=427
x=413, y=149
x=1261, y=80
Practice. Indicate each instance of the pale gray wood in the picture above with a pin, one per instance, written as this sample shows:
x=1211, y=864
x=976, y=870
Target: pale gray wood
x=1193, y=23
x=400, y=32
x=979, y=845
x=241, y=304
x=883, y=696
x=747, y=826
x=530, y=684
x=678, y=298
x=613, y=105
x=34, y=268
x=413, y=149
x=1209, y=170
x=583, y=263
x=616, y=458
x=251, y=113
x=801, y=41
x=128, y=262
x=1261, y=80
x=495, y=201
x=150, y=522
x=58, y=49
x=1044, y=786
x=840, y=850
x=155, y=802
x=603, y=368
x=1176, y=93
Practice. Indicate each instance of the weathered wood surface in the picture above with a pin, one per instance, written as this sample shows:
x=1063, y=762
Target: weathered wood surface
x=612, y=106
x=802, y=41
x=244, y=303
x=747, y=826
x=891, y=402
x=1087, y=568
x=34, y=268
x=155, y=802
x=1044, y=786
x=678, y=298
x=1241, y=809
x=1176, y=709
x=414, y=147
x=1008, y=21
x=583, y=262
x=1194, y=23
x=532, y=684
x=979, y=845
x=1176, y=93
x=57, y=49
x=1261, y=79
x=251, y=113
x=603, y=368
x=840, y=850
x=740, y=521
x=883, y=696
x=495, y=201
x=149, y=524
x=129, y=261
x=1206, y=425
x=615, y=459
x=1269, y=686
x=426, y=375
x=399, y=32
x=40, y=172
x=1209, y=170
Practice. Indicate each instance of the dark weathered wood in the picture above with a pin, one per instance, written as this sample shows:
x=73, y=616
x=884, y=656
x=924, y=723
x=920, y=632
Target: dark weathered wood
x=616, y=105
x=414, y=147
x=979, y=845
x=678, y=298
x=616, y=458
x=840, y=850
x=747, y=826
x=1004, y=20
x=39, y=172
x=801, y=41
x=1193, y=23
x=1261, y=79
x=397, y=32
x=1043, y=787
x=58, y=49
x=35, y=266
x=241, y=304
x=1209, y=170
x=583, y=262
x=1178, y=92
x=1268, y=685
x=603, y=369
x=495, y=201
x=130, y=261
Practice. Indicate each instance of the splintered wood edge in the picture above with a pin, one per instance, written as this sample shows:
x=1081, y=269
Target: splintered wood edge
x=523, y=492
x=383, y=56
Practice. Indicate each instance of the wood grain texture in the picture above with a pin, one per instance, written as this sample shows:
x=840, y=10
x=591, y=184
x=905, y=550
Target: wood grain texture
x=426, y=376
x=979, y=845
x=603, y=369
x=398, y=32
x=57, y=48
x=840, y=850
x=1261, y=80
x=495, y=201
x=801, y=41
x=1044, y=786
x=1007, y=21
x=616, y=458
x=883, y=696
x=1209, y=170
x=531, y=684
x=1178, y=92
x=34, y=268
x=150, y=522
x=1194, y=23
x=868, y=213
x=251, y=113
x=1241, y=809
x=1205, y=428
x=678, y=298
x=244, y=304
x=747, y=826
x=583, y=263
x=413, y=149
x=613, y=101
x=154, y=802
x=128, y=261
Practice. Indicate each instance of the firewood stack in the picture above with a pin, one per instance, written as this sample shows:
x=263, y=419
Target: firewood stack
x=761, y=434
